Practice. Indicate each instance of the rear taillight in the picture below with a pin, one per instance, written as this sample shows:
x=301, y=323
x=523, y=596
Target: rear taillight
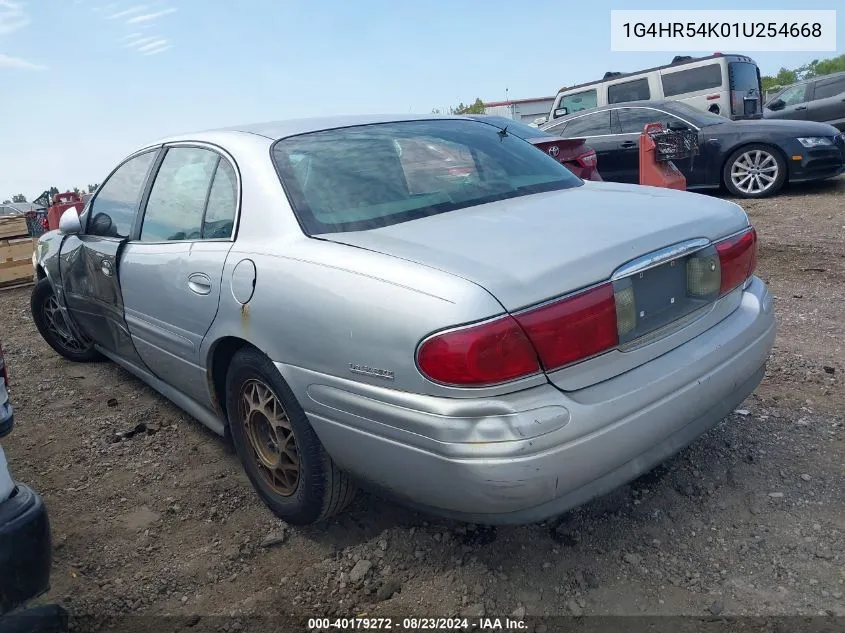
x=573, y=328
x=4, y=374
x=737, y=259
x=587, y=159
x=476, y=355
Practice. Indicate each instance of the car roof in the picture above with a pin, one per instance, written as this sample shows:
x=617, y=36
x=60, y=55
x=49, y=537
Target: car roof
x=656, y=103
x=275, y=130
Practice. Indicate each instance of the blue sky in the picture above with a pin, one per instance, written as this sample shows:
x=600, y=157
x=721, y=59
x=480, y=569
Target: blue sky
x=87, y=81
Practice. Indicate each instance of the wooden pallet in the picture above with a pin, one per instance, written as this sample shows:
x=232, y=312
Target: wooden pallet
x=14, y=226
x=16, y=249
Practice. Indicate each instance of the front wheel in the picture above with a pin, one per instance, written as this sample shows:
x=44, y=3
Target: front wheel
x=754, y=171
x=281, y=453
x=53, y=328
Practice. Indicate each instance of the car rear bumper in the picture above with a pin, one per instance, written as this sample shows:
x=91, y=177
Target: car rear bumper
x=25, y=549
x=539, y=452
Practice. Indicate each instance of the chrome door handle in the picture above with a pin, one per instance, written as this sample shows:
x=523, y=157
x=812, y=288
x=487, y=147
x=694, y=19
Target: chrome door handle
x=199, y=283
x=800, y=107
x=106, y=267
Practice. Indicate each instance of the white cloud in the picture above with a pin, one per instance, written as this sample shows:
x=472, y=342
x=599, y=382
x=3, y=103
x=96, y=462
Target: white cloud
x=149, y=17
x=141, y=41
x=18, y=63
x=127, y=12
x=156, y=43
x=156, y=51
x=130, y=37
x=12, y=17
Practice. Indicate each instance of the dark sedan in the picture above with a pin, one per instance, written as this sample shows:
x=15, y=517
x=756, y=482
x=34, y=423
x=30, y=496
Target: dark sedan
x=752, y=158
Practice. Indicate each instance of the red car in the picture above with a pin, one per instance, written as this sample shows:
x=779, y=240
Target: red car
x=578, y=157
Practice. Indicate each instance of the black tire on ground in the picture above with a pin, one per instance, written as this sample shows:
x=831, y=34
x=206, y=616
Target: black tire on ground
x=321, y=489
x=758, y=161
x=57, y=334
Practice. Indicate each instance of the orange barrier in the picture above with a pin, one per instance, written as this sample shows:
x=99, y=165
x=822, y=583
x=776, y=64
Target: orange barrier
x=653, y=172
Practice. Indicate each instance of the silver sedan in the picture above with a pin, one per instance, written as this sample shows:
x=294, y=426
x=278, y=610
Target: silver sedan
x=428, y=306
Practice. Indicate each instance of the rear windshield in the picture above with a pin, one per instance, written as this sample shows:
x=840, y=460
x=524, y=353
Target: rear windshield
x=365, y=177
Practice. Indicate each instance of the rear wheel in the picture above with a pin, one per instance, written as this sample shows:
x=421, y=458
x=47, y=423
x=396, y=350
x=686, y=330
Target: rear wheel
x=54, y=329
x=754, y=171
x=277, y=446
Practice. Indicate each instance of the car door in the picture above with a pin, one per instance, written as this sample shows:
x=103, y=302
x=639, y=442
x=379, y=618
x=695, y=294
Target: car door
x=827, y=102
x=794, y=106
x=172, y=267
x=629, y=123
x=595, y=128
x=90, y=262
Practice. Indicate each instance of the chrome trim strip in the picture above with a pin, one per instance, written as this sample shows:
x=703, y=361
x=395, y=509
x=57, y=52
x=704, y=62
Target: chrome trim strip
x=658, y=257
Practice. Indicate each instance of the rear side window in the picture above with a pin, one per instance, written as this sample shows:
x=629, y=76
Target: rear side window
x=829, y=88
x=115, y=206
x=597, y=124
x=177, y=200
x=370, y=176
x=219, y=219
x=636, y=90
x=692, y=80
x=633, y=120
x=579, y=101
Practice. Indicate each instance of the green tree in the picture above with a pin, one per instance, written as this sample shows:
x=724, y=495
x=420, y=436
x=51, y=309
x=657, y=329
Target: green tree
x=477, y=107
x=76, y=190
x=19, y=198
x=93, y=188
x=815, y=68
x=54, y=191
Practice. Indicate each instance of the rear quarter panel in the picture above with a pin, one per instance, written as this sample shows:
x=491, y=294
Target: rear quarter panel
x=322, y=306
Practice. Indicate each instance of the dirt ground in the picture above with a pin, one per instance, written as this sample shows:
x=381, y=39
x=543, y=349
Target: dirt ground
x=749, y=520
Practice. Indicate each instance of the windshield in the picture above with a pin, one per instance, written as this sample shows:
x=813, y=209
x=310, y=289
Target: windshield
x=700, y=118
x=517, y=128
x=370, y=176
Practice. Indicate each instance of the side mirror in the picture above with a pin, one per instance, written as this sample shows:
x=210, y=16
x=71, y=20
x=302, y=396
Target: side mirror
x=69, y=223
x=561, y=112
x=677, y=126
x=777, y=104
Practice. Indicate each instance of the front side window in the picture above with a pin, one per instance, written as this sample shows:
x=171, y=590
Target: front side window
x=579, y=101
x=370, y=176
x=636, y=90
x=177, y=199
x=692, y=80
x=113, y=210
x=826, y=88
x=794, y=95
x=597, y=124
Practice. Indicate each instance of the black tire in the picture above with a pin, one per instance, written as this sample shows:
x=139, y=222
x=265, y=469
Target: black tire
x=66, y=346
x=321, y=489
x=737, y=158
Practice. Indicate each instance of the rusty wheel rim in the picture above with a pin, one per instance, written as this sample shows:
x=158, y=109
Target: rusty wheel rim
x=58, y=327
x=270, y=437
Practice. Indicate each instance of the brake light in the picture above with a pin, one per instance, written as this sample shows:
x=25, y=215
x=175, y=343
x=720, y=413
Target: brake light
x=588, y=159
x=737, y=259
x=573, y=328
x=478, y=355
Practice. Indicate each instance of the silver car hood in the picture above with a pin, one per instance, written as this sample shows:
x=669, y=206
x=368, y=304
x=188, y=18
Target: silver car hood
x=528, y=249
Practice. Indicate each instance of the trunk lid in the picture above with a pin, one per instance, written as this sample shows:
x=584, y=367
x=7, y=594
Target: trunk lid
x=530, y=249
